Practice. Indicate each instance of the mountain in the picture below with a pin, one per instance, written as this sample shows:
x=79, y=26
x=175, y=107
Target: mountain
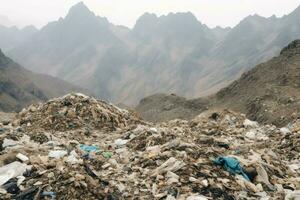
x=11, y=37
x=270, y=92
x=173, y=53
x=5, y=21
x=20, y=87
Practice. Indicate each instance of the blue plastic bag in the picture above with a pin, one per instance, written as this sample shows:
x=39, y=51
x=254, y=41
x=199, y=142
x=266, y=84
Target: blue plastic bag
x=88, y=148
x=232, y=165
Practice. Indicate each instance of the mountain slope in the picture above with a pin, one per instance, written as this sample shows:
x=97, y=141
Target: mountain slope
x=11, y=37
x=173, y=53
x=116, y=63
x=270, y=92
x=162, y=107
x=20, y=87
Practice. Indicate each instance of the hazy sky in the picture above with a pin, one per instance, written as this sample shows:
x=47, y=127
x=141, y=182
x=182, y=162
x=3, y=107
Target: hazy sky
x=125, y=12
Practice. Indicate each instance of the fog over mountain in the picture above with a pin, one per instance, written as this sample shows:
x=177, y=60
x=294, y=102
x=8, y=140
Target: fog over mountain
x=5, y=21
x=172, y=53
x=20, y=87
x=270, y=92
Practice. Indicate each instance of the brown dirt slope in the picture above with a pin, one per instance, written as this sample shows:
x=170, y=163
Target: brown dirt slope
x=20, y=87
x=163, y=107
x=270, y=92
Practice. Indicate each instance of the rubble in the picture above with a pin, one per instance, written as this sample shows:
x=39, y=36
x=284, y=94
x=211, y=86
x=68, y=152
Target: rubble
x=127, y=158
x=74, y=111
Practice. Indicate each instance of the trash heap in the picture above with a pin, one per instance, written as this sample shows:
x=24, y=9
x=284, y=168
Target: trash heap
x=217, y=155
x=74, y=111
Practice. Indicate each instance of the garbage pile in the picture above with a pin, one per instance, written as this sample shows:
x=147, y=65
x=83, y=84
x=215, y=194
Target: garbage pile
x=219, y=155
x=74, y=111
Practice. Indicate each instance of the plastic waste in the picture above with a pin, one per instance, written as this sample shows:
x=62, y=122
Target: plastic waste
x=22, y=157
x=120, y=142
x=292, y=195
x=250, y=124
x=57, y=154
x=284, y=130
x=11, y=187
x=232, y=165
x=12, y=170
x=196, y=197
x=172, y=164
x=72, y=158
x=153, y=129
x=28, y=194
x=20, y=180
x=9, y=143
x=88, y=148
x=107, y=154
x=49, y=194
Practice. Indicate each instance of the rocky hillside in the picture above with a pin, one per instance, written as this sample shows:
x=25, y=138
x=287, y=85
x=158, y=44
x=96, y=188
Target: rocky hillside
x=20, y=87
x=11, y=37
x=173, y=53
x=162, y=107
x=270, y=92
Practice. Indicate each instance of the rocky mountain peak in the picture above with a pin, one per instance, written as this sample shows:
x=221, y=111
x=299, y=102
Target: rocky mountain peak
x=146, y=20
x=80, y=10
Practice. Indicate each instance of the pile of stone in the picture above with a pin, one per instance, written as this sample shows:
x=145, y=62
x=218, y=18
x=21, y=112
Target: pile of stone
x=173, y=160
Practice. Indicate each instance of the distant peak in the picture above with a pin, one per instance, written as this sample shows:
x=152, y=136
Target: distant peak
x=79, y=9
x=185, y=14
x=255, y=16
x=79, y=5
x=146, y=19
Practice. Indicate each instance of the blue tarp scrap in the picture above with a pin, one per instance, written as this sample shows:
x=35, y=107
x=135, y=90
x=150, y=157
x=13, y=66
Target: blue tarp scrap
x=88, y=148
x=232, y=165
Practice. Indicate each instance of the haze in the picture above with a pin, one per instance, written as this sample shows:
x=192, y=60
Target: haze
x=125, y=12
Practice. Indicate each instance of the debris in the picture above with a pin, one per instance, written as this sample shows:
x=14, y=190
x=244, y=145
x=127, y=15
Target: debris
x=96, y=151
x=74, y=111
x=196, y=197
x=12, y=170
x=292, y=195
x=22, y=157
x=232, y=165
x=285, y=130
x=120, y=142
x=73, y=158
x=251, y=124
x=88, y=148
x=57, y=154
x=107, y=154
x=49, y=194
x=9, y=143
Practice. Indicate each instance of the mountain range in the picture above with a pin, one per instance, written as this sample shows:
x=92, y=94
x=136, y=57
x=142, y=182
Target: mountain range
x=270, y=92
x=173, y=53
x=20, y=87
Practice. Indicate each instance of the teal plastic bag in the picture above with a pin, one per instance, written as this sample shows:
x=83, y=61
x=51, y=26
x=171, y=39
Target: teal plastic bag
x=89, y=149
x=232, y=165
